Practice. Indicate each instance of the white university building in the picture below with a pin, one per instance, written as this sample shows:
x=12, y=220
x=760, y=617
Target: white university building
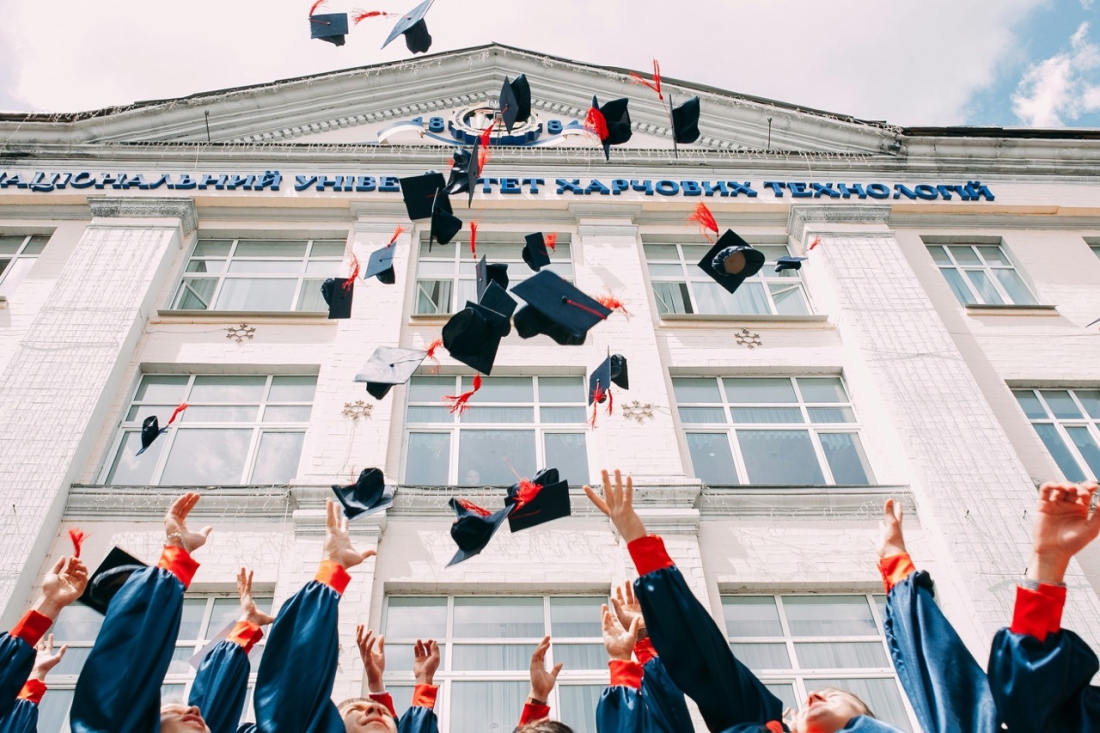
x=934, y=347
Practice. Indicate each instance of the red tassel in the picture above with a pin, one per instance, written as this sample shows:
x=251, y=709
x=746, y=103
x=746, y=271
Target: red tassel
x=77, y=536
x=817, y=241
x=370, y=14
x=596, y=123
x=396, y=233
x=612, y=303
x=592, y=420
x=486, y=138
x=472, y=507
x=583, y=307
x=313, y=8
x=551, y=239
x=473, y=239
x=610, y=402
x=704, y=219
x=597, y=397
x=458, y=403
x=432, y=347
x=655, y=85
x=528, y=490
x=483, y=152
x=175, y=413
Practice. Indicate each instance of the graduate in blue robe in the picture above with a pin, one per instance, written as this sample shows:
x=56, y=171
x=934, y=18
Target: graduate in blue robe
x=23, y=716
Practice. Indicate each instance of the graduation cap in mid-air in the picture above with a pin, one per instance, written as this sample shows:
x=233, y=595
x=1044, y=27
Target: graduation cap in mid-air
x=464, y=173
x=472, y=336
x=610, y=123
x=685, y=121
x=556, y=308
x=108, y=579
x=151, y=429
x=789, y=263
x=421, y=193
x=473, y=528
x=515, y=101
x=388, y=367
x=368, y=495
x=413, y=27
x=612, y=371
x=535, y=252
x=337, y=292
x=542, y=499
x=490, y=272
x=731, y=260
x=331, y=27
x=380, y=265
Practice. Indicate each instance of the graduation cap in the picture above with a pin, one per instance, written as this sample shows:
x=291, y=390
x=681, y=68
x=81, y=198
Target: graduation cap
x=108, y=579
x=472, y=336
x=464, y=173
x=535, y=252
x=731, y=260
x=542, y=499
x=151, y=429
x=496, y=272
x=515, y=101
x=473, y=528
x=789, y=263
x=331, y=27
x=557, y=309
x=337, y=292
x=368, y=495
x=611, y=123
x=380, y=265
x=413, y=27
x=387, y=367
x=419, y=193
x=611, y=371
x=445, y=225
x=685, y=121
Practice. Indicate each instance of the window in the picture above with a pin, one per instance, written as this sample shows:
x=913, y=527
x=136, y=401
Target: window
x=800, y=643
x=17, y=256
x=486, y=644
x=1095, y=249
x=1068, y=423
x=787, y=431
x=507, y=430
x=258, y=275
x=681, y=287
x=981, y=274
x=445, y=277
x=236, y=430
x=204, y=616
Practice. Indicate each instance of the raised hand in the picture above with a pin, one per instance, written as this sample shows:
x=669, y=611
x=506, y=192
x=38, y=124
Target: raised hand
x=45, y=659
x=1063, y=526
x=892, y=541
x=62, y=585
x=338, y=546
x=542, y=680
x=249, y=610
x=618, y=504
x=627, y=608
x=175, y=524
x=372, y=650
x=618, y=642
x=425, y=661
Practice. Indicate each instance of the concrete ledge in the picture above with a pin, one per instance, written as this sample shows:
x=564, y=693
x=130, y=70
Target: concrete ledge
x=770, y=320
x=1011, y=310
x=840, y=502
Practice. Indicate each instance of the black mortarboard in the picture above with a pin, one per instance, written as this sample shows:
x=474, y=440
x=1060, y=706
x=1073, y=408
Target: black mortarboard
x=789, y=263
x=472, y=336
x=515, y=101
x=611, y=371
x=331, y=27
x=542, y=499
x=420, y=197
x=685, y=122
x=729, y=245
x=534, y=251
x=380, y=265
x=464, y=173
x=496, y=272
x=108, y=579
x=502, y=305
x=414, y=28
x=617, y=117
x=387, y=367
x=337, y=296
x=566, y=313
x=445, y=225
x=150, y=431
x=367, y=495
x=474, y=528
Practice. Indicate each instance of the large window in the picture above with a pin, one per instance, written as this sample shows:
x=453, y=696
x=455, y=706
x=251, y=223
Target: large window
x=258, y=275
x=486, y=645
x=800, y=643
x=1068, y=422
x=681, y=287
x=204, y=616
x=981, y=274
x=445, y=277
x=236, y=430
x=514, y=425
x=786, y=431
x=17, y=256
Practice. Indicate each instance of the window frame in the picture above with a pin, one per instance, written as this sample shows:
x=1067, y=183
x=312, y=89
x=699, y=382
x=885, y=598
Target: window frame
x=987, y=268
x=20, y=255
x=1087, y=421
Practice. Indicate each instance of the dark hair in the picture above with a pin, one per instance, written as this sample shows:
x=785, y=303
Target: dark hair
x=545, y=726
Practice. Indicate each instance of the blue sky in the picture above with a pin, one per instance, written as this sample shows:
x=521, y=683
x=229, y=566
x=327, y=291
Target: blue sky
x=910, y=62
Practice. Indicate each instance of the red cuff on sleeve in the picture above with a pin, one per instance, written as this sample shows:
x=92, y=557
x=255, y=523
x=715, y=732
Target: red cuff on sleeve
x=333, y=575
x=895, y=568
x=644, y=650
x=424, y=696
x=247, y=634
x=32, y=627
x=649, y=554
x=386, y=699
x=33, y=691
x=533, y=712
x=1038, y=612
x=626, y=672
x=178, y=562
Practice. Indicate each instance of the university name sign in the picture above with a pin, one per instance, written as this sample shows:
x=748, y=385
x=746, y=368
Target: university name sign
x=43, y=181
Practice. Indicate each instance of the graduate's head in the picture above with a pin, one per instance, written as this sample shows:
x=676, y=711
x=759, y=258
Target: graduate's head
x=545, y=726
x=363, y=715
x=176, y=717
x=827, y=710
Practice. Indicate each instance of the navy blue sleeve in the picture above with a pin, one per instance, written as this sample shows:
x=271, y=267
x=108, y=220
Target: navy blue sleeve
x=620, y=710
x=119, y=687
x=418, y=719
x=665, y=709
x=221, y=687
x=22, y=718
x=16, y=662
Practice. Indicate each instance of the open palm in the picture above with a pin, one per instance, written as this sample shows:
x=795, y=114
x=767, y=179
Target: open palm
x=1064, y=523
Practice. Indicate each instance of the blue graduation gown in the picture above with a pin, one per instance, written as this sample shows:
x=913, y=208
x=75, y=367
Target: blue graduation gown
x=16, y=662
x=221, y=687
x=657, y=707
x=22, y=718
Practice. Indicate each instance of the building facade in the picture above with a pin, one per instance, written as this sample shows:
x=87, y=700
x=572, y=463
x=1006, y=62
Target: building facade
x=934, y=347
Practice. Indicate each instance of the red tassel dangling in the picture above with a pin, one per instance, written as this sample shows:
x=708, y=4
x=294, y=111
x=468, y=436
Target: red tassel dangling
x=484, y=141
x=528, y=490
x=597, y=398
x=550, y=239
x=655, y=85
x=175, y=413
x=313, y=8
x=77, y=536
x=596, y=123
x=610, y=402
x=472, y=507
x=704, y=219
x=363, y=15
x=458, y=403
x=473, y=239
x=396, y=233
x=430, y=354
x=817, y=241
x=610, y=302
x=353, y=274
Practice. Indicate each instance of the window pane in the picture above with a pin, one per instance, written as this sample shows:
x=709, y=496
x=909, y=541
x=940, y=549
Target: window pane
x=822, y=389
x=578, y=706
x=484, y=456
x=666, y=271
x=780, y=458
x=206, y=457
x=53, y=709
x=829, y=616
x=328, y=248
x=239, y=294
x=225, y=614
x=243, y=267
x=277, y=459
x=520, y=415
x=785, y=692
x=218, y=413
x=73, y=661
x=880, y=695
x=261, y=248
x=562, y=415
x=702, y=415
x=938, y=254
x=212, y=248
x=323, y=268
x=465, y=657
x=657, y=252
x=501, y=389
x=762, y=656
x=964, y=255
x=958, y=286
x=287, y=413
x=1058, y=450
x=11, y=244
x=161, y=388
x=844, y=452
x=713, y=299
x=191, y=620
x=228, y=389
x=130, y=469
x=400, y=657
x=831, y=414
x=561, y=389
x=424, y=414
x=751, y=616
x=1013, y=284
x=760, y=390
x=292, y=389
x=841, y=655
x=310, y=299
x=416, y=618
x=1090, y=398
x=428, y=457
x=1031, y=405
x=568, y=452
x=981, y=282
x=178, y=665
x=767, y=415
x=672, y=298
x=431, y=389
x=1061, y=404
x=433, y=296
x=77, y=622
x=571, y=617
x=480, y=706
x=712, y=459
x=696, y=390
x=498, y=618
x=1086, y=446
x=789, y=299
x=994, y=255
x=196, y=293
x=750, y=299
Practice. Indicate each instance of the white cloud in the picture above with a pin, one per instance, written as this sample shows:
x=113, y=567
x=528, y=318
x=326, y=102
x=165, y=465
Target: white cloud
x=1064, y=86
x=906, y=61
x=1086, y=4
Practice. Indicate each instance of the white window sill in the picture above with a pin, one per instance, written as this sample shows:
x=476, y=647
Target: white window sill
x=743, y=318
x=802, y=501
x=978, y=309
x=185, y=316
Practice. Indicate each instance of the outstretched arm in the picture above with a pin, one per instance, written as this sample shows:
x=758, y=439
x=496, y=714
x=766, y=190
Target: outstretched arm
x=620, y=709
x=420, y=717
x=542, y=684
x=23, y=717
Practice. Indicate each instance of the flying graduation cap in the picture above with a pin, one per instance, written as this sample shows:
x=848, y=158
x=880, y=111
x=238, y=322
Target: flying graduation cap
x=331, y=27
x=731, y=261
x=685, y=121
x=413, y=27
x=108, y=579
x=556, y=308
x=473, y=528
x=612, y=371
x=151, y=429
x=496, y=272
x=535, y=252
x=515, y=101
x=388, y=367
x=789, y=263
x=472, y=336
x=538, y=501
x=368, y=495
x=610, y=123
x=337, y=292
x=426, y=198
x=464, y=173
x=380, y=265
